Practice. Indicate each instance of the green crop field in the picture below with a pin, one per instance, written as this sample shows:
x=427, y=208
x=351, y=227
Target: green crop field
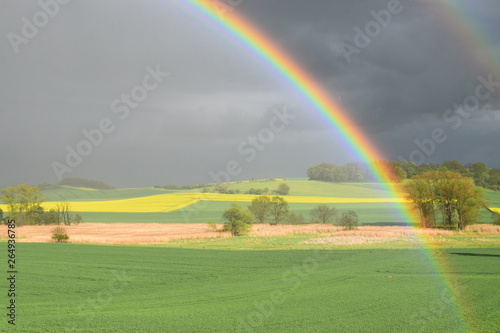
x=90, y=288
x=205, y=211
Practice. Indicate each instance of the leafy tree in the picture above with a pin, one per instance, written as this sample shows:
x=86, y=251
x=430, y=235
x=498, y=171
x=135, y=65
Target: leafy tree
x=349, y=220
x=237, y=220
x=23, y=200
x=279, y=210
x=1, y=215
x=296, y=219
x=410, y=168
x=283, y=189
x=469, y=199
x=323, y=214
x=494, y=179
x=77, y=219
x=480, y=173
x=260, y=208
x=421, y=194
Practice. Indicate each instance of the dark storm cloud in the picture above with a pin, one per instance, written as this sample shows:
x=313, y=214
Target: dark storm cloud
x=65, y=79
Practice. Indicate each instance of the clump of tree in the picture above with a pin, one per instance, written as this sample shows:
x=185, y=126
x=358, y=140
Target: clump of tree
x=329, y=172
x=82, y=182
x=349, y=220
x=24, y=202
x=237, y=220
x=258, y=191
x=455, y=197
x=273, y=209
x=323, y=214
x=223, y=188
x=283, y=189
x=482, y=175
x=397, y=171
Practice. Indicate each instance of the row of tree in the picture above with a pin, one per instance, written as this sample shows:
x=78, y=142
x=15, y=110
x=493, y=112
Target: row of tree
x=275, y=210
x=25, y=206
x=398, y=171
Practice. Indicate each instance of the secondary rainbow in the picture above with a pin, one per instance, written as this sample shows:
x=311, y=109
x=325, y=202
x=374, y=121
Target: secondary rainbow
x=288, y=70
x=466, y=20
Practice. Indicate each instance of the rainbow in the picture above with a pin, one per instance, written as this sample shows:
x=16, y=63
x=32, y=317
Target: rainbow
x=248, y=36
x=244, y=33
x=462, y=19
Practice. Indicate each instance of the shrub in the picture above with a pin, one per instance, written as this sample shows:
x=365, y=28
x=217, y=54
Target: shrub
x=222, y=188
x=237, y=220
x=59, y=235
x=211, y=225
x=349, y=220
x=283, y=189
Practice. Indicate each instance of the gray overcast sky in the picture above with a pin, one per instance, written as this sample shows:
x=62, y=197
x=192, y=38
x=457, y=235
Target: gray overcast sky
x=74, y=71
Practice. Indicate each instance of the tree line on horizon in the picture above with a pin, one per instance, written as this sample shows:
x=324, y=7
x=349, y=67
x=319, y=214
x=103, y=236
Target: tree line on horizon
x=398, y=171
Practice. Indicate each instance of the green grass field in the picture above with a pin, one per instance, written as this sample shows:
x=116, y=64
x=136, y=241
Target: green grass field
x=89, y=288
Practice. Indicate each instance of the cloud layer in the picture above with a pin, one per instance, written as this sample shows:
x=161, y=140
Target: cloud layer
x=398, y=87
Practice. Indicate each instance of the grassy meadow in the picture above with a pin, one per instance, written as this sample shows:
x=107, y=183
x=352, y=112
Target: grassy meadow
x=266, y=283
x=91, y=288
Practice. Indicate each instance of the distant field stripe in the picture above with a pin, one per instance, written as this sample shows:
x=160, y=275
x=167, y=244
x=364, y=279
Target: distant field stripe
x=80, y=188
